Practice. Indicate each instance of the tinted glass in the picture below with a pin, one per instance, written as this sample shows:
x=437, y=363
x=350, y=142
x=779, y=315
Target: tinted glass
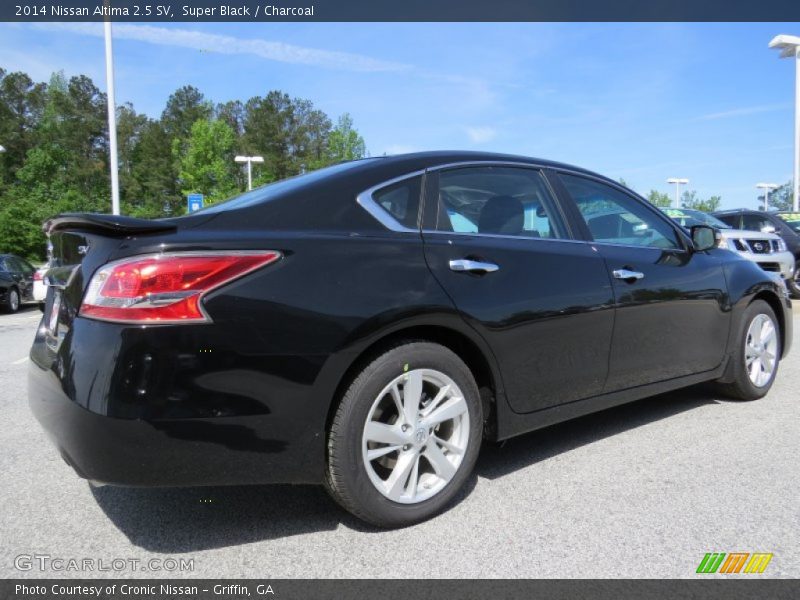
x=15, y=264
x=687, y=217
x=268, y=192
x=732, y=220
x=756, y=222
x=615, y=217
x=401, y=200
x=497, y=201
x=792, y=220
x=26, y=266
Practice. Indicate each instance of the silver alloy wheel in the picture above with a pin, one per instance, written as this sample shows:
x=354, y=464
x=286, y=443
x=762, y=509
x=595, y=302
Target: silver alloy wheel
x=761, y=350
x=415, y=436
x=13, y=300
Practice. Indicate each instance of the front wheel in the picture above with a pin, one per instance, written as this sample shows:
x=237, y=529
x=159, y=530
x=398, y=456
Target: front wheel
x=757, y=354
x=405, y=436
x=12, y=301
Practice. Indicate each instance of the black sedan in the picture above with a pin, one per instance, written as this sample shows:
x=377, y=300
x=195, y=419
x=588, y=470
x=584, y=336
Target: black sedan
x=16, y=282
x=366, y=325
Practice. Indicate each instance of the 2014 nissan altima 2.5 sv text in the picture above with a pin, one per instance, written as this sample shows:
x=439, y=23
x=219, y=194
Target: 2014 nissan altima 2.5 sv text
x=366, y=325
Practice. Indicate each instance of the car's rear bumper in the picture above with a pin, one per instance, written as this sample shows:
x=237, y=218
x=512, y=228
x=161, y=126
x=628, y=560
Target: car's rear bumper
x=264, y=441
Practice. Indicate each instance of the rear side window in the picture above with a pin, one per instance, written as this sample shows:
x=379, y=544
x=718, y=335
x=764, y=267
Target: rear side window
x=15, y=264
x=401, y=200
x=616, y=218
x=497, y=201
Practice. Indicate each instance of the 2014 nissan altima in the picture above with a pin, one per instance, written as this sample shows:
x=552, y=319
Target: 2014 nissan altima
x=366, y=325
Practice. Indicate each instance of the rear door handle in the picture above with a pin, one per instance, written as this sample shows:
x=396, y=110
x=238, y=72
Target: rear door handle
x=472, y=266
x=628, y=275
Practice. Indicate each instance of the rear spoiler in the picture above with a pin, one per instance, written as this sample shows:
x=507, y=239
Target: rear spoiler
x=106, y=224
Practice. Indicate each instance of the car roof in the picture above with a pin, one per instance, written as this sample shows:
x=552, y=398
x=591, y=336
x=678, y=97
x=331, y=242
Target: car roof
x=730, y=211
x=437, y=158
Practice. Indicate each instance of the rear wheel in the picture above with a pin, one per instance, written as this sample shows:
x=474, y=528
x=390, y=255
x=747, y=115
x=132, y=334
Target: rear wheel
x=12, y=301
x=757, y=354
x=405, y=436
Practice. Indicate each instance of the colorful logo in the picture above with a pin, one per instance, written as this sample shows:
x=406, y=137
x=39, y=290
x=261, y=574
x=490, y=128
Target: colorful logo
x=736, y=562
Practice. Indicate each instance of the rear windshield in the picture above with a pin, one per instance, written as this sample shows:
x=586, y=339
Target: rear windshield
x=273, y=190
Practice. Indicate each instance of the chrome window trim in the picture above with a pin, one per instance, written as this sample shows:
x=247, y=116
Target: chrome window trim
x=367, y=202
x=541, y=239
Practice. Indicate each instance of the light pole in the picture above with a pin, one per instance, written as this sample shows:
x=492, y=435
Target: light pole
x=677, y=183
x=789, y=46
x=249, y=160
x=767, y=187
x=112, y=116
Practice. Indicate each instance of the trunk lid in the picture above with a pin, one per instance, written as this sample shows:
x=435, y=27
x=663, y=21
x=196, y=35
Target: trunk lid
x=79, y=243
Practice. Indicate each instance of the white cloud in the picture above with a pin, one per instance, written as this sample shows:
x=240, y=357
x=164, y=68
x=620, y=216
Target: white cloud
x=224, y=44
x=481, y=135
x=744, y=111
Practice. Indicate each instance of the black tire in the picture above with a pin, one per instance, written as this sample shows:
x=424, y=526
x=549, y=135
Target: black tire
x=741, y=387
x=347, y=479
x=11, y=305
x=794, y=284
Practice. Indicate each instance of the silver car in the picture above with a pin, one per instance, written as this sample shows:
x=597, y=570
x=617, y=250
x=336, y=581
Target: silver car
x=766, y=249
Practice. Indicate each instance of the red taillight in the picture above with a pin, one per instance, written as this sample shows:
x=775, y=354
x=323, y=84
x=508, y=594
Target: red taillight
x=164, y=287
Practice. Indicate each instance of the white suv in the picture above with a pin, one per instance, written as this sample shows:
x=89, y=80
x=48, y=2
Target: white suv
x=766, y=249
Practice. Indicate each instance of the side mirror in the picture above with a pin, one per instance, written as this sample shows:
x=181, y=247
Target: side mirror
x=704, y=237
x=768, y=229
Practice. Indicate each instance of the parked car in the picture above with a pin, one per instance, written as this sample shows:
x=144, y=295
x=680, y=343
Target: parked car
x=16, y=282
x=767, y=250
x=781, y=224
x=366, y=325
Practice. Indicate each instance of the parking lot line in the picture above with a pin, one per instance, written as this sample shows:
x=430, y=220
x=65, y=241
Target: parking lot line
x=20, y=361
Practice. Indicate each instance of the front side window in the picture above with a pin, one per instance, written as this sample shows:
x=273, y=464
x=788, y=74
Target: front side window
x=497, y=201
x=617, y=218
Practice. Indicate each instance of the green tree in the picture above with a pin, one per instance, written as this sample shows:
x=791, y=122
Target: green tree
x=690, y=199
x=345, y=143
x=659, y=199
x=185, y=107
x=21, y=105
x=207, y=165
x=56, y=158
x=153, y=187
x=781, y=198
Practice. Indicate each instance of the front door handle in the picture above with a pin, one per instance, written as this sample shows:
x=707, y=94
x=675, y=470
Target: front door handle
x=472, y=266
x=628, y=275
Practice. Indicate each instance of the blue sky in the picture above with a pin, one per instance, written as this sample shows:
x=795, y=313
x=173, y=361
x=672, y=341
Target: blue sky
x=644, y=102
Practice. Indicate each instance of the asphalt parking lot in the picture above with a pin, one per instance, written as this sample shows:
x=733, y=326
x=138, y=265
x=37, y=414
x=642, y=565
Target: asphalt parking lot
x=643, y=490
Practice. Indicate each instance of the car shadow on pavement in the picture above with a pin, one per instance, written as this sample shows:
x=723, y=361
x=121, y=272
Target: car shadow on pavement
x=178, y=520
x=497, y=460
x=181, y=520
